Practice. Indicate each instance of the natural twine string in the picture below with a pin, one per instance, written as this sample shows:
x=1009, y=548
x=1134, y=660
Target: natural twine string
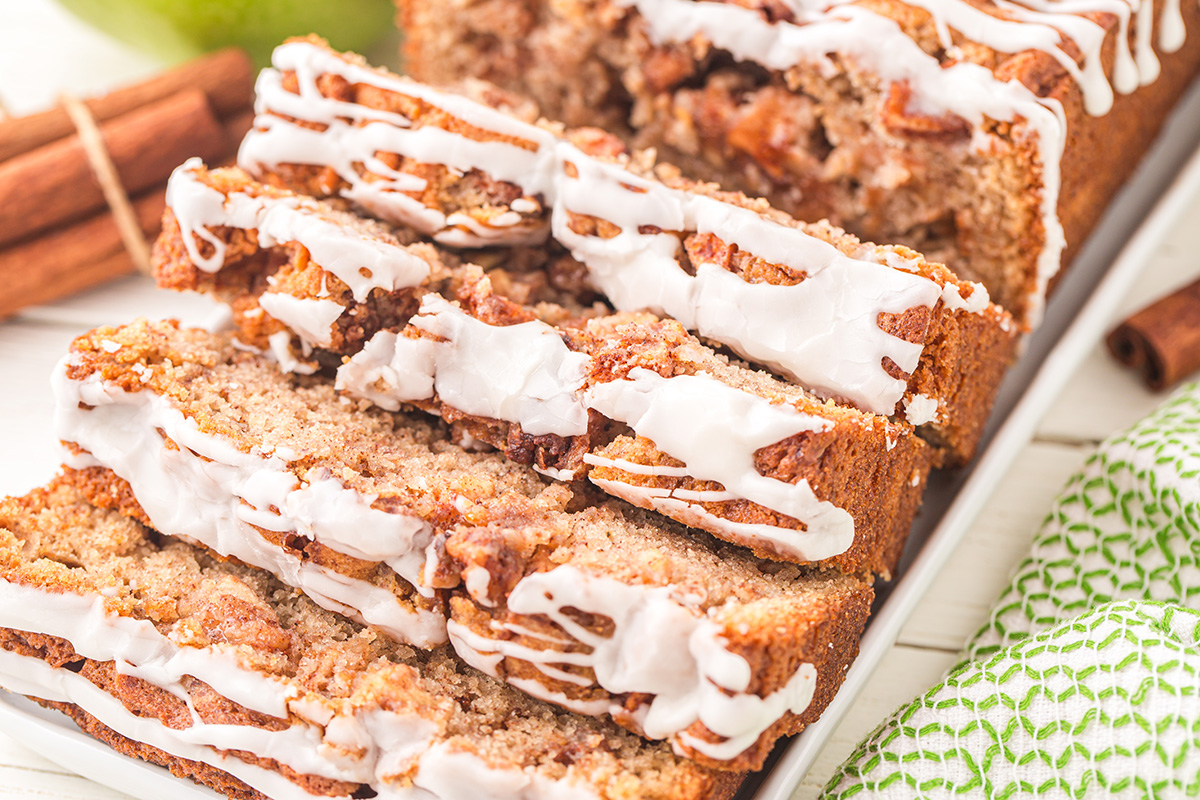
x=110, y=183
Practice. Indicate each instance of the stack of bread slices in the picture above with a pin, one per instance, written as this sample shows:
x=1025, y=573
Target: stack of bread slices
x=527, y=467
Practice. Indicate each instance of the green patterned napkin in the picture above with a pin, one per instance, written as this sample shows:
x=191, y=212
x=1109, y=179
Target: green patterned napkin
x=1105, y=704
x=1126, y=527
x=1048, y=703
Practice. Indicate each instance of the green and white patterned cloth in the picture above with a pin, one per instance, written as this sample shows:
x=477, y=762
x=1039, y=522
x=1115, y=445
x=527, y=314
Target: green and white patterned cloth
x=1126, y=527
x=1085, y=681
x=1105, y=704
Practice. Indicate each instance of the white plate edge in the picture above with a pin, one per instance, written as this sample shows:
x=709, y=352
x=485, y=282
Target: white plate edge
x=53, y=736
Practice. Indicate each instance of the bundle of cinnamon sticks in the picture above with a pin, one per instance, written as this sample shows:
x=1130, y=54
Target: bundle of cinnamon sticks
x=58, y=234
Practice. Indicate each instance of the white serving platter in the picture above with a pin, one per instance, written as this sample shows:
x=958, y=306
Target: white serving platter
x=1125, y=238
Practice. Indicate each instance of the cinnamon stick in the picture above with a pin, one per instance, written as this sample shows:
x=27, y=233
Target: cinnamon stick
x=73, y=258
x=1163, y=339
x=226, y=78
x=55, y=184
x=79, y=256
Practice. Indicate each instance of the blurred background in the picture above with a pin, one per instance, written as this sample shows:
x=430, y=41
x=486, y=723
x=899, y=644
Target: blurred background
x=89, y=46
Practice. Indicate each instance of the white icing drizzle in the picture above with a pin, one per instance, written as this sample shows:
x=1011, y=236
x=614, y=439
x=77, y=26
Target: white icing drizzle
x=280, y=344
x=520, y=373
x=208, y=491
x=783, y=541
x=1171, y=32
x=354, y=134
x=361, y=262
x=637, y=469
x=458, y=775
x=476, y=581
x=1043, y=30
x=953, y=300
x=390, y=370
x=566, y=475
x=661, y=645
x=373, y=746
x=804, y=331
x=689, y=416
x=34, y=677
x=99, y=635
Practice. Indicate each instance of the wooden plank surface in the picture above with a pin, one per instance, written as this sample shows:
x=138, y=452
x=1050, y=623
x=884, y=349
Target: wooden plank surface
x=25, y=774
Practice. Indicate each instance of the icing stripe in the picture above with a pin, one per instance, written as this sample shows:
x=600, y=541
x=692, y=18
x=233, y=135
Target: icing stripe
x=659, y=644
x=517, y=373
x=715, y=430
x=361, y=262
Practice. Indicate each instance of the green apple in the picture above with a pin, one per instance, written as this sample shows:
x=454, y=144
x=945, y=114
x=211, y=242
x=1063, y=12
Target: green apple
x=175, y=30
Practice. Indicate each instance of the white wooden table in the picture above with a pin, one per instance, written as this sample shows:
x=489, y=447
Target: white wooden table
x=1100, y=399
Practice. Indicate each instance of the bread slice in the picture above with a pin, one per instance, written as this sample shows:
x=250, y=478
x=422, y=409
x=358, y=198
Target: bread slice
x=309, y=281
x=378, y=515
x=228, y=677
x=651, y=415
x=877, y=327
x=596, y=615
